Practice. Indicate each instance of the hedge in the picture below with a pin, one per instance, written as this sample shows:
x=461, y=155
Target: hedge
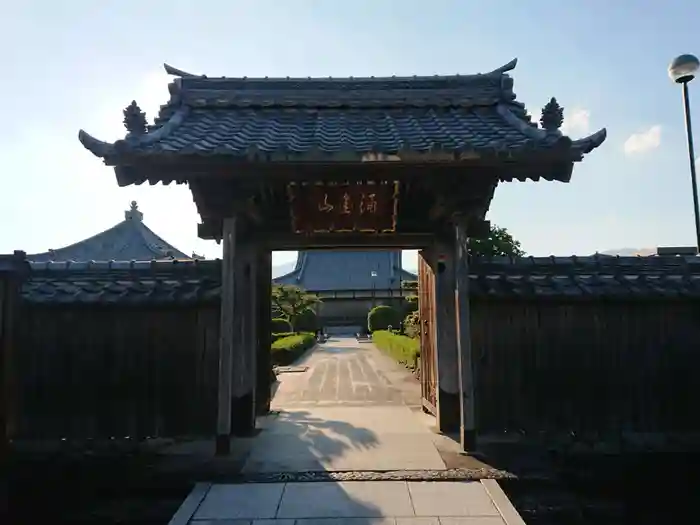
x=288, y=349
x=280, y=335
x=401, y=348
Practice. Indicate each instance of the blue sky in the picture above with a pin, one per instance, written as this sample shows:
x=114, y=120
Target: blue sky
x=77, y=64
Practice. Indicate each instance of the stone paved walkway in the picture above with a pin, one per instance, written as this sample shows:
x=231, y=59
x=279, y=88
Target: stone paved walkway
x=353, y=409
x=345, y=413
x=356, y=503
x=343, y=372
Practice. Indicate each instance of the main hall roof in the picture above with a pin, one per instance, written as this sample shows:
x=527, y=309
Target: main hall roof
x=128, y=240
x=334, y=270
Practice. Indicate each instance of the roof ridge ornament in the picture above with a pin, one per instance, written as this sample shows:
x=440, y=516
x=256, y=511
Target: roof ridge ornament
x=135, y=120
x=552, y=116
x=170, y=70
x=510, y=66
x=133, y=214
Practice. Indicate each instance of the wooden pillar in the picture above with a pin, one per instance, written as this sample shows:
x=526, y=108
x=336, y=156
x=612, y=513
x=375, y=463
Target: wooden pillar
x=464, y=347
x=226, y=338
x=243, y=404
x=448, y=405
x=264, y=328
x=251, y=338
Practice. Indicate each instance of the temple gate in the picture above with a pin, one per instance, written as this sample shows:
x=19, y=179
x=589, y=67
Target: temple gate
x=292, y=163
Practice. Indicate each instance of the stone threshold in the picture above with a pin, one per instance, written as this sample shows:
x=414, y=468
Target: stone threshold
x=459, y=474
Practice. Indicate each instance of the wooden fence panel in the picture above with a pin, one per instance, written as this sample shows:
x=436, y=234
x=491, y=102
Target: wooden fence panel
x=117, y=372
x=587, y=367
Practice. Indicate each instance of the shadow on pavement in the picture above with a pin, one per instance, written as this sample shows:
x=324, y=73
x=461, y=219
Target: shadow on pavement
x=297, y=441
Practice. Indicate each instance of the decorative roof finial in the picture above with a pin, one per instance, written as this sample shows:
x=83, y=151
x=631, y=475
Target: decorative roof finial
x=133, y=214
x=135, y=119
x=552, y=116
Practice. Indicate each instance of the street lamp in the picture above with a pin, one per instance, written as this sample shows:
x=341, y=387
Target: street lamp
x=682, y=70
x=373, y=275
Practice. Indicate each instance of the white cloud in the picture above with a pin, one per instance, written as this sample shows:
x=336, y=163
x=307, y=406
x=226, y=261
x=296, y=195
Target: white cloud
x=643, y=141
x=576, y=122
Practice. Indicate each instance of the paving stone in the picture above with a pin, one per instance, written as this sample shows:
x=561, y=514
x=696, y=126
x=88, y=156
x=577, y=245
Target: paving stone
x=222, y=522
x=356, y=449
x=247, y=502
x=418, y=521
x=346, y=521
x=431, y=498
x=353, y=499
x=474, y=520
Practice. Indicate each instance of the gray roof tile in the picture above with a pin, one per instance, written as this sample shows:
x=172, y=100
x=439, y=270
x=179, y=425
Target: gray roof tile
x=189, y=282
x=108, y=283
x=15, y=262
x=294, y=119
x=128, y=240
x=346, y=270
x=593, y=276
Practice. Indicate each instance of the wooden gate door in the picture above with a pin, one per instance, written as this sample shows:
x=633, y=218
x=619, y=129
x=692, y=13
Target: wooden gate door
x=426, y=308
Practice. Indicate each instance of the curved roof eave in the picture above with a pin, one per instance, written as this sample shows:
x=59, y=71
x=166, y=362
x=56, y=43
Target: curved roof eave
x=505, y=68
x=584, y=145
x=103, y=149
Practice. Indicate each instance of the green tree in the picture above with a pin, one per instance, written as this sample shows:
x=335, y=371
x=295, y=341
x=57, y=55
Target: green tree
x=498, y=243
x=411, y=325
x=410, y=303
x=292, y=302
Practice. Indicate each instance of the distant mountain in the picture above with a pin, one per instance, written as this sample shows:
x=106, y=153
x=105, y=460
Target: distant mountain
x=630, y=252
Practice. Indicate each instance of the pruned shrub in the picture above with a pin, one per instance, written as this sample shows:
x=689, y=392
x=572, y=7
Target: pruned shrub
x=288, y=349
x=382, y=317
x=279, y=325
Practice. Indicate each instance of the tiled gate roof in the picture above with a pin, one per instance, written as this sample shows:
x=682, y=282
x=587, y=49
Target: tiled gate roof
x=343, y=119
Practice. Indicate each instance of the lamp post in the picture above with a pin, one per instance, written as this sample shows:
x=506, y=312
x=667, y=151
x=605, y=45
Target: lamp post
x=373, y=275
x=682, y=70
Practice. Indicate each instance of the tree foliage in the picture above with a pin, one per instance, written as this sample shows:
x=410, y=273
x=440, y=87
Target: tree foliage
x=279, y=325
x=292, y=302
x=411, y=324
x=498, y=243
x=307, y=321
